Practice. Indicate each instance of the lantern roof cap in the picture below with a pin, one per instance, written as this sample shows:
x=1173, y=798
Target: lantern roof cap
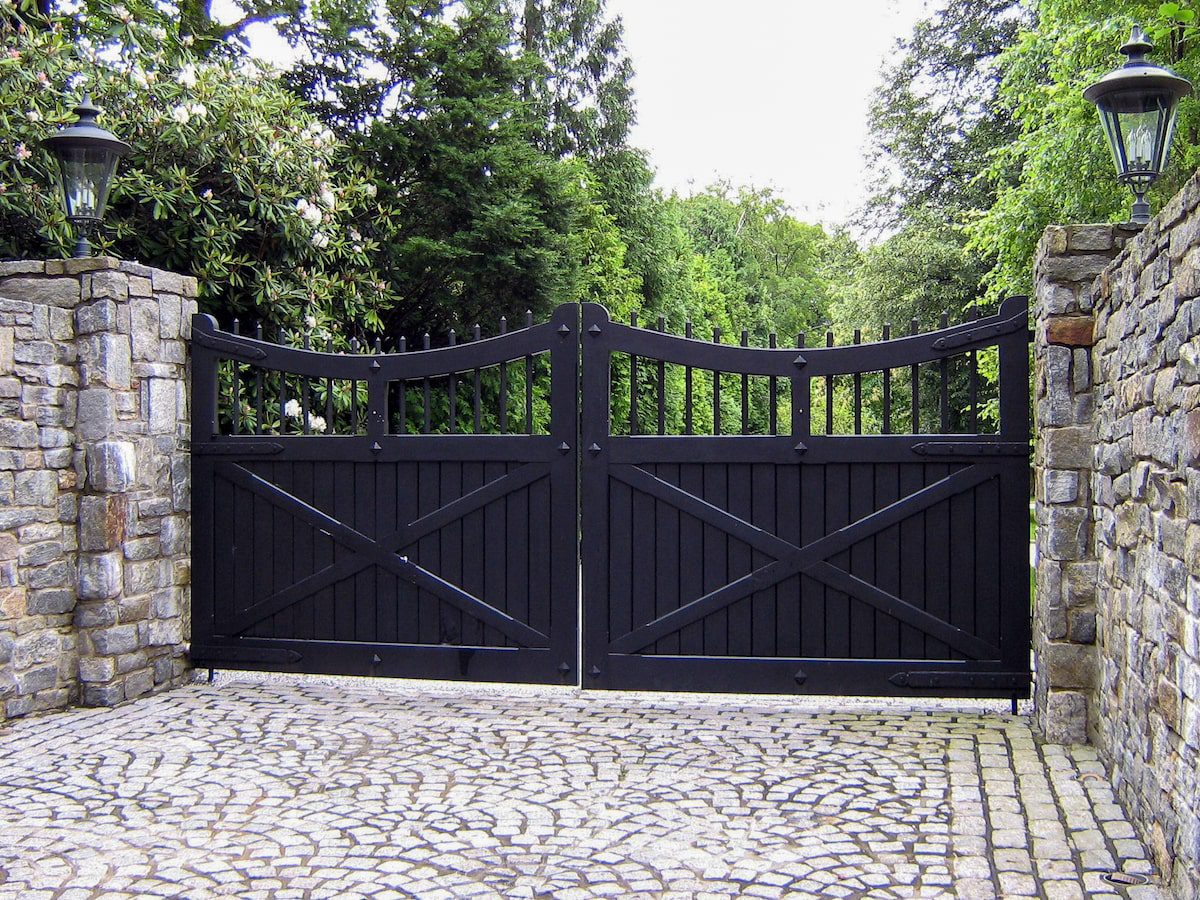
x=1138, y=73
x=85, y=132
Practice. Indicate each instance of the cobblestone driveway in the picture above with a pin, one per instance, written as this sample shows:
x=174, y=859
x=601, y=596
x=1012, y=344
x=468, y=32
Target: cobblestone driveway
x=275, y=788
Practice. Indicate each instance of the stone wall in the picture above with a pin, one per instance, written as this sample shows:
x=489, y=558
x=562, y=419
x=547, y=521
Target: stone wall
x=94, y=491
x=1118, y=480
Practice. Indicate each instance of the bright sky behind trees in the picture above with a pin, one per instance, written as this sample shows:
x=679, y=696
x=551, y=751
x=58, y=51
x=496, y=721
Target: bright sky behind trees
x=763, y=92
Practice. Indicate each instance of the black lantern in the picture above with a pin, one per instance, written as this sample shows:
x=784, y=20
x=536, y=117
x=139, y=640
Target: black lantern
x=1137, y=105
x=87, y=157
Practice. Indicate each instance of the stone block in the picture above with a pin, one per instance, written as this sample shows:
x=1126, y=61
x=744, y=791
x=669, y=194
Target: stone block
x=42, y=678
x=1064, y=718
x=139, y=683
x=1065, y=533
x=1067, y=665
x=33, y=649
x=1061, y=486
x=163, y=412
x=110, y=285
x=97, y=668
x=133, y=609
x=12, y=601
x=173, y=283
x=103, y=694
x=95, y=615
x=101, y=523
x=105, y=361
x=165, y=604
x=100, y=575
x=165, y=632
x=50, y=291
x=112, y=466
x=36, y=488
x=56, y=574
x=1090, y=237
x=144, y=329
x=1079, y=269
x=96, y=414
x=7, y=641
x=1068, y=448
x=1071, y=331
x=51, y=602
x=18, y=434
x=100, y=315
x=6, y=351
x=115, y=640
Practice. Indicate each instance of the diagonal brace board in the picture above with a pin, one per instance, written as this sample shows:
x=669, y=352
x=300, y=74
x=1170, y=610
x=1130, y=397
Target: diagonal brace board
x=797, y=559
x=376, y=554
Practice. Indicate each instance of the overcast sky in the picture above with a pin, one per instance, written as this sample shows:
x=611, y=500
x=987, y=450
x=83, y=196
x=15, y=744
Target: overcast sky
x=762, y=92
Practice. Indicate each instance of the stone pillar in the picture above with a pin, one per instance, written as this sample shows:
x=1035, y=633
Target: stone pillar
x=1068, y=261
x=94, y=546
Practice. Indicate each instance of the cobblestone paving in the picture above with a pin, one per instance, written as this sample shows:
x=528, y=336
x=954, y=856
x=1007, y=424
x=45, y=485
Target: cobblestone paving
x=260, y=787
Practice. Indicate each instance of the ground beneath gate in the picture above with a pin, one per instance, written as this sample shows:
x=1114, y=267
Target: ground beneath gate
x=261, y=786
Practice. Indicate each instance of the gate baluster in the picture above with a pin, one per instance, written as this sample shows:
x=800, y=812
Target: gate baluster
x=829, y=383
x=235, y=412
x=662, y=386
x=687, y=387
x=282, y=387
x=529, y=379
x=974, y=377
x=504, y=383
x=475, y=403
x=887, y=387
x=915, y=369
x=353, y=393
x=801, y=386
x=305, y=395
x=402, y=347
x=944, y=367
x=258, y=387
x=774, y=391
x=329, y=391
x=857, y=389
x=716, y=389
x=425, y=389
x=453, y=388
x=745, y=389
x=633, y=377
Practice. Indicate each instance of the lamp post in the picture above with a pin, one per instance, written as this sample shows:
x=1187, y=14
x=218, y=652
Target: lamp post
x=87, y=157
x=1137, y=104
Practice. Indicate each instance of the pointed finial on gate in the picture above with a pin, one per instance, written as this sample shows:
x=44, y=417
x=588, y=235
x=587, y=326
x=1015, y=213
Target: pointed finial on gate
x=375, y=448
x=564, y=330
x=594, y=449
x=564, y=447
x=594, y=330
x=564, y=667
x=594, y=671
x=799, y=362
x=801, y=447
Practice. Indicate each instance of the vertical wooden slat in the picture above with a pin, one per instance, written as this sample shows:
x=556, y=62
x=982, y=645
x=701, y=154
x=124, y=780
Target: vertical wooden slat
x=662, y=384
x=495, y=554
x=944, y=371
x=837, y=515
x=302, y=552
x=788, y=511
x=283, y=391
x=962, y=563
x=887, y=387
x=474, y=544
x=517, y=541
x=633, y=383
x=354, y=418
x=887, y=562
x=716, y=560
x=324, y=552
x=937, y=561
x=912, y=561
x=388, y=612
x=332, y=426
x=620, y=569
x=450, y=476
x=687, y=388
x=763, y=604
x=641, y=561
x=862, y=561
x=306, y=392
x=691, y=559
x=739, y=558
x=364, y=522
x=428, y=552
x=812, y=592
x=666, y=553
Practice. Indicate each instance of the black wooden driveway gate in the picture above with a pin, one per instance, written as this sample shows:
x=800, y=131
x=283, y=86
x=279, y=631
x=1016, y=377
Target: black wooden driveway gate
x=811, y=557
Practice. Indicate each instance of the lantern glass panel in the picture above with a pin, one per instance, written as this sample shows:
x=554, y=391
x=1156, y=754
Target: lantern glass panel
x=1139, y=126
x=86, y=174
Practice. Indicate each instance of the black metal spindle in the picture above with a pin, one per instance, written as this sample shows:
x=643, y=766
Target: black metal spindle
x=402, y=347
x=774, y=391
x=973, y=384
x=529, y=379
x=801, y=387
x=829, y=391
x=306, y=391
x=427, y=423
x=329, y=391
x=887, y=387
x=745, y=389
x=353, y=393
x=475, y=403
x=633, y=382
x=944, y=371
x=282, y=388
x=258, y=387
x=236, y=409
x=915, y=370
x=716, y=389
x=687, y=387
x=662, y=384
x=452, y=339
x=858, y=389
x=503, y=383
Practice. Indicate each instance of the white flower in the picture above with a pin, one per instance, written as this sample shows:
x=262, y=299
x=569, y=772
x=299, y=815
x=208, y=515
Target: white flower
x=317, y=424
x=310, y=213
x=158, y=33
x=187, y=76
x=181, y=115
x=199, y=110
x=327, y=197
x=187, y=40
x=22, y=153
x=311, y=321
x=33, y=116
x=370, y=190
x=120, y=12
x=206, y=194
x=291, y=409
x=320, y=240
x=140, y=78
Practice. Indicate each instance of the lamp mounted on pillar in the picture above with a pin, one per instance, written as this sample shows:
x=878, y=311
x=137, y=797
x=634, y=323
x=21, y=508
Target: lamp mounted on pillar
x=1137, y=105
x=87, y=158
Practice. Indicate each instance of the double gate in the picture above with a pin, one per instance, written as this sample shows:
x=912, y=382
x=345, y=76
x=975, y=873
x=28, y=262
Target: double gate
x=480, y=511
